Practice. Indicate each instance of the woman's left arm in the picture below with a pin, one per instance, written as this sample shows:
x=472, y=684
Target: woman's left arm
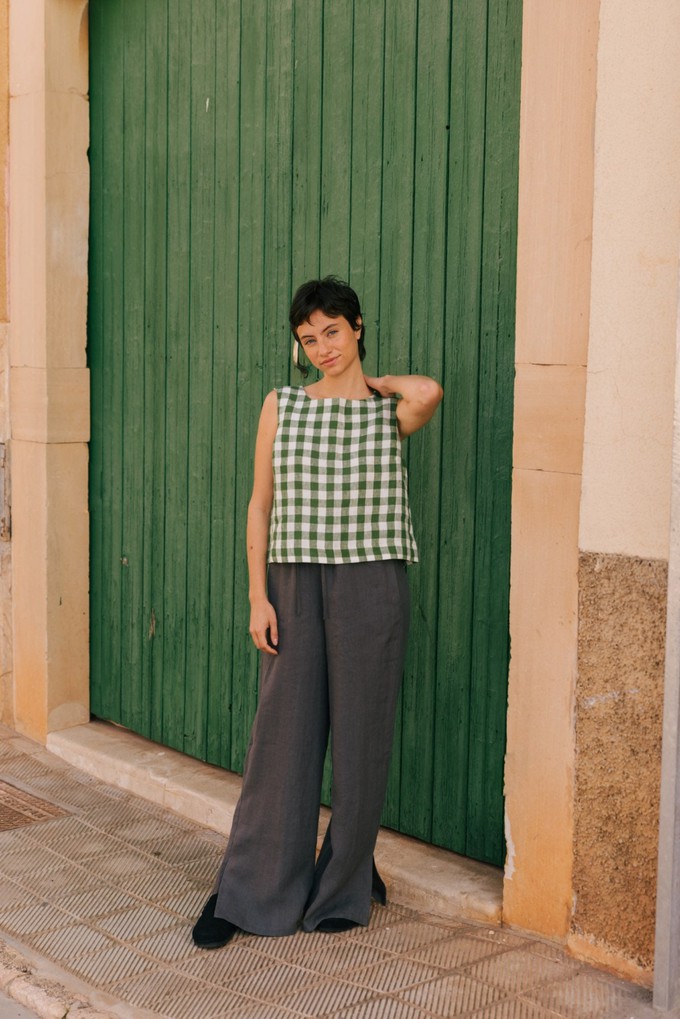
x=420, y=397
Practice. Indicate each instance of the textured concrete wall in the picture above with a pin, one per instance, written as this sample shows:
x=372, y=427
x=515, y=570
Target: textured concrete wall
x=619, y=707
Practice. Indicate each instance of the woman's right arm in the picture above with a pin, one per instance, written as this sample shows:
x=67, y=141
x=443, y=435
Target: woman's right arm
x=263, y=624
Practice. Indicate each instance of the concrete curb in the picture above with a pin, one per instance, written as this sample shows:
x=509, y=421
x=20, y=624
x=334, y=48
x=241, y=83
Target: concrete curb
x=47, y=998
x=418, y=875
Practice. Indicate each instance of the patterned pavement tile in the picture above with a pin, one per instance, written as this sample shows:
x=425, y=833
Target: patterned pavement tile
x=402, y=936
x=336, y=957
x=110, y=966
x=452, y=995
x=221, y=967
x=394, y=975
x=325, y=997
x=274, y=981
x=169, y=945
x=256, y=1010
x=201, y=1002
x=71, y=837
x=11, y=894
x=519, y=971
x=189, y=905
x=110, y=893
x=140, y=921
x=455, y=952
x=159, y=885
x=69, y=943
x=34, y=917
x=513, y=1008
x=587, y=997
x=58, y=881
x=95, y=903
x=382, y=1008
x=292, y=946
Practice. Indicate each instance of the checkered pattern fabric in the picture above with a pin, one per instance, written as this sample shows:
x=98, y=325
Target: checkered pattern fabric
x=340, y=486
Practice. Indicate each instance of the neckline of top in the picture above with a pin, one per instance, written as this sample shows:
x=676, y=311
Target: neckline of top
x=341, y=399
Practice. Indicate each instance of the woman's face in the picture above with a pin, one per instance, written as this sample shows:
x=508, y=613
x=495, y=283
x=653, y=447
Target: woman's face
x=331, y=344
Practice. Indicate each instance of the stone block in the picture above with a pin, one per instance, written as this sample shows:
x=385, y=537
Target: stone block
x=549, y=417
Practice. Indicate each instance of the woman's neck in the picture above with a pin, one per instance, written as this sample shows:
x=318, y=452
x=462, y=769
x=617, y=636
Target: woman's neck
x=353, y=388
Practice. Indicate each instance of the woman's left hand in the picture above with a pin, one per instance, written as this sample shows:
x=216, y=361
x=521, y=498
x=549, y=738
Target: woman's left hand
x=419, y=398
x=378, y=384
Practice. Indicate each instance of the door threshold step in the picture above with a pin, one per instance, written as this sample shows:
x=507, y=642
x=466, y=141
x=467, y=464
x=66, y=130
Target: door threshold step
x=418, y=875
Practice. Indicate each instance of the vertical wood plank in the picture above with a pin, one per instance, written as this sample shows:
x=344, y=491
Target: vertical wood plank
x=279, y=162
x=396, y=235
x=155, y=333
x=224, y=386
x=336, y=134
x=177, y=370
x=424, y=452
x=459, y=414
x=200, y=341
x=254, y=50
x=132, y=366
x=307, y=128
x=367, y=158
x=397, y=187
x=494, y=448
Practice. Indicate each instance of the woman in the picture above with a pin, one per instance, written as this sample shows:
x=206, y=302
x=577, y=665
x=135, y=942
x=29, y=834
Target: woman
x=328, y=536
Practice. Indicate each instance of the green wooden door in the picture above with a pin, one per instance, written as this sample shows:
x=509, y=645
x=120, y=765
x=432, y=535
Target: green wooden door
x=236, y=150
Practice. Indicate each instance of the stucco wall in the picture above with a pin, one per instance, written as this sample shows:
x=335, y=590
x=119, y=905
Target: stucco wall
x=625, y=502
x=6, y=691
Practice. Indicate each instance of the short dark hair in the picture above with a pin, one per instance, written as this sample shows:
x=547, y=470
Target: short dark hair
x=334, y=298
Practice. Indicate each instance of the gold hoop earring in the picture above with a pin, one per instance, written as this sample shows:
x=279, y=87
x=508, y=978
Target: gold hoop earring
x=296, y=353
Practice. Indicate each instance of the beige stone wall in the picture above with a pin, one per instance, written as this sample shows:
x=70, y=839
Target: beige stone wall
x=6, y=688
x=559, y=54
x=49, y=385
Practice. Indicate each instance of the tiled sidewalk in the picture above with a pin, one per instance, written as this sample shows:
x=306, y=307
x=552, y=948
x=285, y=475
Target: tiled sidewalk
x=104, y=897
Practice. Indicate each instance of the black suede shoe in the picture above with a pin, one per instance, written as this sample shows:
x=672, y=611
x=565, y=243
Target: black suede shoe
x=335, y=924
x=378, y=890
x=212, y=931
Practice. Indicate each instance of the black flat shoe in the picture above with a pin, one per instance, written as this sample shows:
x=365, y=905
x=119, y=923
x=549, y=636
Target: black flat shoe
x=378, y=890
x=212, y=931
x=335, y=924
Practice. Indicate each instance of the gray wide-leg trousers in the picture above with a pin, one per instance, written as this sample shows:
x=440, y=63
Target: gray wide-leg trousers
x=342, y=642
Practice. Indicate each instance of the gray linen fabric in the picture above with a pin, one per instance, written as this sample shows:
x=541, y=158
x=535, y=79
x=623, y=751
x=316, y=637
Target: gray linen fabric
x=342, y=642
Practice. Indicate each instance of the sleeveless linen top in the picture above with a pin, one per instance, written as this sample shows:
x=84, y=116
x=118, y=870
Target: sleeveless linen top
x=340, y=486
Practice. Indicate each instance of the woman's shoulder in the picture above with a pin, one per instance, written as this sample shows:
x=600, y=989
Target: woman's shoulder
x=276, y=400
x=287, y=394
x=270, y=405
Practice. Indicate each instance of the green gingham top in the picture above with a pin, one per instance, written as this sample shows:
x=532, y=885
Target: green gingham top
x=340, y=486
